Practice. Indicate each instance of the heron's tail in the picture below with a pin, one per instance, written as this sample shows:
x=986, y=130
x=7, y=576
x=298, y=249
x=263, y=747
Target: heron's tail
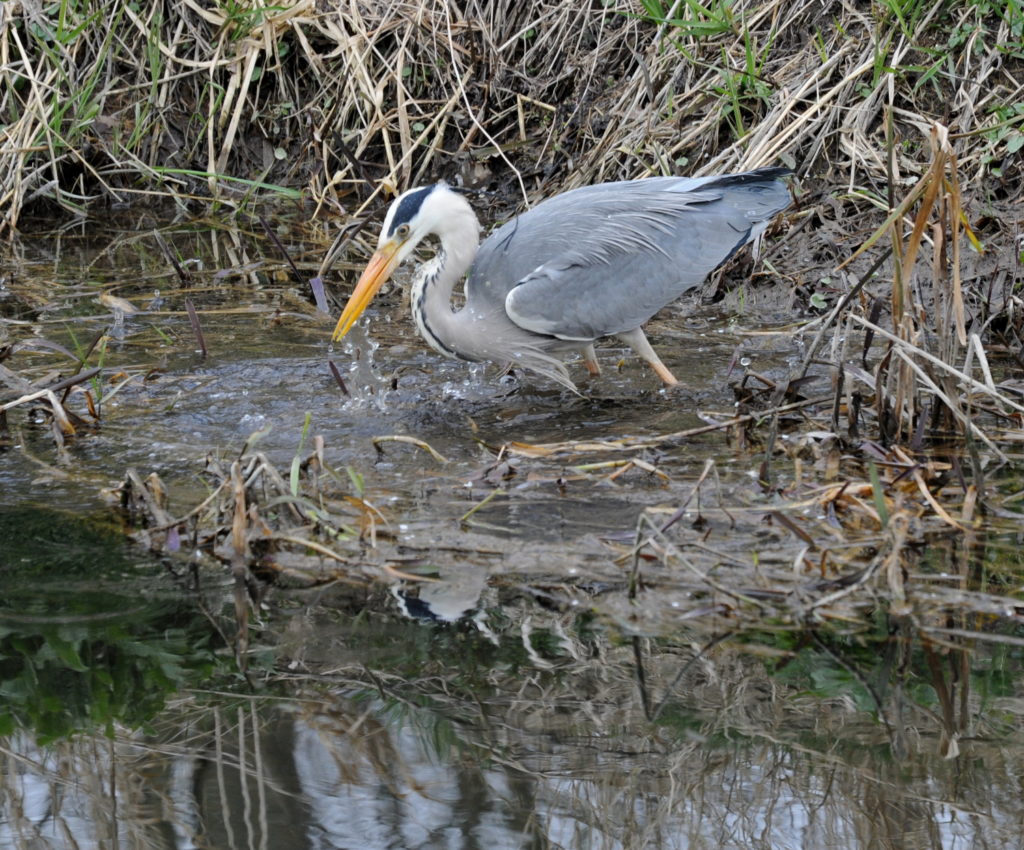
x=504, y=342
x=539, y=361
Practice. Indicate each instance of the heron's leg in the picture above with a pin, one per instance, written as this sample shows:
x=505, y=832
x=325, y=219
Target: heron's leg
x=637, y=340
x=590, y=360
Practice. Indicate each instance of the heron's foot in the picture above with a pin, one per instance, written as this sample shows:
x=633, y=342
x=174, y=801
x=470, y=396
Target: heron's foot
x=681, y=396
x=677, y=390
x=667, y=378
x=591, y=376
x=662, y=371
x=637, y=340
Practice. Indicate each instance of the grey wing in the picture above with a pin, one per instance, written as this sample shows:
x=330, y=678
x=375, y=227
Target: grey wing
x=622, y=257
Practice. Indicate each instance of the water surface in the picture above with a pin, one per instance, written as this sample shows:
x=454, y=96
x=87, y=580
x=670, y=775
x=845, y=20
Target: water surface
x=496, y=668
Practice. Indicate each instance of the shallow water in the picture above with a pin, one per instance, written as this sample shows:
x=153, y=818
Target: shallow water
x=521, y=696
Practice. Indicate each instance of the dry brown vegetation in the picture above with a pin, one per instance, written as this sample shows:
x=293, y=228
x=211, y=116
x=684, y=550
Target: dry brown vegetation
x=103, y=103
x=902, y=121
x=880, y=531
x=904, y=116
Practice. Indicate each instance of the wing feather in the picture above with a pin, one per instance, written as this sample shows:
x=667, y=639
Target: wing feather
x=604, y=259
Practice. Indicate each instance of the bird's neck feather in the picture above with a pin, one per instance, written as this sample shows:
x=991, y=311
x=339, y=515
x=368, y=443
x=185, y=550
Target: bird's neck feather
x=431, y=293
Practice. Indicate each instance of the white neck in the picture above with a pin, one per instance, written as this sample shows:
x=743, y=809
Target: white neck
x=431, y=293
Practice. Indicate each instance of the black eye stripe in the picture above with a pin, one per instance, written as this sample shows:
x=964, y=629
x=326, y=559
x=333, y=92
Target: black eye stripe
x=408, y=207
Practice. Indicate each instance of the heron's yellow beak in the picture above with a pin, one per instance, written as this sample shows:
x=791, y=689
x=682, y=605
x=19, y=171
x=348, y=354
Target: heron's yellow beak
x=382, y=264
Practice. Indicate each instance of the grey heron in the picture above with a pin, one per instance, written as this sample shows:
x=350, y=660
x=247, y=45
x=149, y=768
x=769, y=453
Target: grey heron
x=593, y=262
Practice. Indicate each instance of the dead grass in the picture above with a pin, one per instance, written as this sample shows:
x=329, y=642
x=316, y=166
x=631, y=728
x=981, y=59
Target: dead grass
x=875, y=533
x=902, y=121
x=108, y=104
x=906, y=115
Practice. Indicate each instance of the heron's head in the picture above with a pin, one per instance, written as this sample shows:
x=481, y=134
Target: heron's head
x=412, y=216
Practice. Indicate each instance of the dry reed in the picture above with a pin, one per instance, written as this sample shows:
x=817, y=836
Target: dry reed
x=113, y=103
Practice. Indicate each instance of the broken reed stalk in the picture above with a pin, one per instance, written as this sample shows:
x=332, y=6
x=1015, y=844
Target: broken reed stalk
x=928, y=316
x=254, y=523
x=240, y=556
x=197, y=328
